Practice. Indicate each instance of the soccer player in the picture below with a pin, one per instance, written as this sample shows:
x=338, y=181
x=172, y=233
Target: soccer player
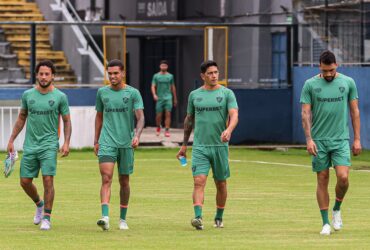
x=163, y=90
x=117, y=105
x=325, y=100
x=213, y=113
x=41, y=107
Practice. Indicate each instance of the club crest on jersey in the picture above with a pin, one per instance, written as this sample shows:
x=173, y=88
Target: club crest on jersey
x=106, y=100
x=32, y=102
x=219, y=99
x=317, y=90
x=51, y=103
x=125, y=99
x=342, y=89
x=198, y=99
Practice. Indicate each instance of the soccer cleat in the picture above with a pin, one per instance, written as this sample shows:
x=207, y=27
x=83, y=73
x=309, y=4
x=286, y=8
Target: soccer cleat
x=197, y=223
x=337, y=220
x=167, y=133
x=158, y=131
x=38, y=216
x=218, y=223
x=103, y=223
x=326, y=230
x=45, y=224
x=123, y=225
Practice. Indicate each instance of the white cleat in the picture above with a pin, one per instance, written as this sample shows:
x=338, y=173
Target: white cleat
x=123, y=225
x=103, y=223
x=337, y=220
x=45, y=224
x=326, y=230
x=38, y=216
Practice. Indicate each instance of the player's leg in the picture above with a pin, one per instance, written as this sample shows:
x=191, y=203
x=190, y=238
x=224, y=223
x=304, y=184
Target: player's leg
x=167, y=120
x=106, y=172
x=200, y=169
x=48, y=163
x=221, y=171
x=49, y=193
x=30, y=168
x=125, y=162
x=341, y=157
x=158, y=116
x=321, y=164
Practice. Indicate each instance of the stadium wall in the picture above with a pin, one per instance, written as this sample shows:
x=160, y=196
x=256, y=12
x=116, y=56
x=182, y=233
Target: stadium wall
x=359, y=74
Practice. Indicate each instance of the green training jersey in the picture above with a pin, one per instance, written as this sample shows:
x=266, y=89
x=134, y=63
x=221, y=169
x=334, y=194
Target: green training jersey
x=118, y=108
x=329, y=104
x=43, y=118
x=211, y=112
x=163, y=84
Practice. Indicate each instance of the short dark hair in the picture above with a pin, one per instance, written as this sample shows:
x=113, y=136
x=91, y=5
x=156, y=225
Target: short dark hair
x=327, y=57
x=46, y=63
x=116, y=63
x=205, y=65
x=163, y=62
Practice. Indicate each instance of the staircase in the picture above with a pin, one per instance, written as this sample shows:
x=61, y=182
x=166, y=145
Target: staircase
x=18, y=36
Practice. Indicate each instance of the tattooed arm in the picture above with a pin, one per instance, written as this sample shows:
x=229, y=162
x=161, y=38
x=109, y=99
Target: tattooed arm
x=139, y=113
x=19, y=124
x=188, y=127
x=306, y=123
x=67, y=134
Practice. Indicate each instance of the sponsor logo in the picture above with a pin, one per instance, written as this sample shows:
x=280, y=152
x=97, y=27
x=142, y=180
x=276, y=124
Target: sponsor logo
x=198, y=99
x=106, y=100
x=32, y=102
x=317, y=90
x=335, y=99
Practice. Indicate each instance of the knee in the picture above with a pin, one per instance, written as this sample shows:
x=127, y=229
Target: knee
x=25, y=183
x=221, y=185
x=323, y=180
x=125, y=183
x=106, y=180
x=343, y=180
x=199, y=183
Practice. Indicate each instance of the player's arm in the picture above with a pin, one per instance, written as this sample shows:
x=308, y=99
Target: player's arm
x=98, y=126
x=306, y=123
x=140, y=122
x=233, y=121
x=18, y=126
x=173, y=90
x=188, y=127
x=154, y=92
x=67, y=128
x=355, y=117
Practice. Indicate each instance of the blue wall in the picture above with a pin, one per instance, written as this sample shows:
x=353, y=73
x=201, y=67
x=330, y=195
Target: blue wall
x=264, y=116
x=361, y=75
x=76, y=97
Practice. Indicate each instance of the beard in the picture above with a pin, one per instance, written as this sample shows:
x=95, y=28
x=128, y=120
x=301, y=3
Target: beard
x=329, y=78
x=46, y=85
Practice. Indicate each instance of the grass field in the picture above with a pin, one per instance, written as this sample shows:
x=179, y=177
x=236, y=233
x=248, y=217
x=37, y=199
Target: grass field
x=271, y=205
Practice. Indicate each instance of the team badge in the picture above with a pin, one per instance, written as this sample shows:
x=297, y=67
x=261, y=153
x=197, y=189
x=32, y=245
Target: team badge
x=51, y=103
x=342, y=89
x=317, y=90
x=219, y=99
x=125, y=99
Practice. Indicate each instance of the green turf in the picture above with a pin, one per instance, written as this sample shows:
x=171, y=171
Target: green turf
x=269, y=206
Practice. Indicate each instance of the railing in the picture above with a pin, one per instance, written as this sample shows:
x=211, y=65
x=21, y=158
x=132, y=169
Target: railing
x=8, y=116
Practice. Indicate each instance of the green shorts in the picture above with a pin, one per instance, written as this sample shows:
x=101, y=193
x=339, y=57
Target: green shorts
x=163, y=105
x=123, y=156
x=45, y=160
x=206, y=157
x=331, y=153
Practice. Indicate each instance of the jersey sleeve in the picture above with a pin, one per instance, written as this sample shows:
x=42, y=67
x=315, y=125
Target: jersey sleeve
x=154, y=80
x=99, y=107
x=306, y=94
x=64, y=106
x=231, y=100
x=138, y=101
x=352, y=94
x=190, y=109
x=24, y=101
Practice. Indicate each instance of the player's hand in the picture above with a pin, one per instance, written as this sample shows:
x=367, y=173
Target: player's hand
x=182, y=152
x=225, y=136
x=311, y=147
x=356, y=147
x=135, y=142
x=96, y=148
x=175, y=103
x=155, y=97
x=64, y=150
x=10, y=148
